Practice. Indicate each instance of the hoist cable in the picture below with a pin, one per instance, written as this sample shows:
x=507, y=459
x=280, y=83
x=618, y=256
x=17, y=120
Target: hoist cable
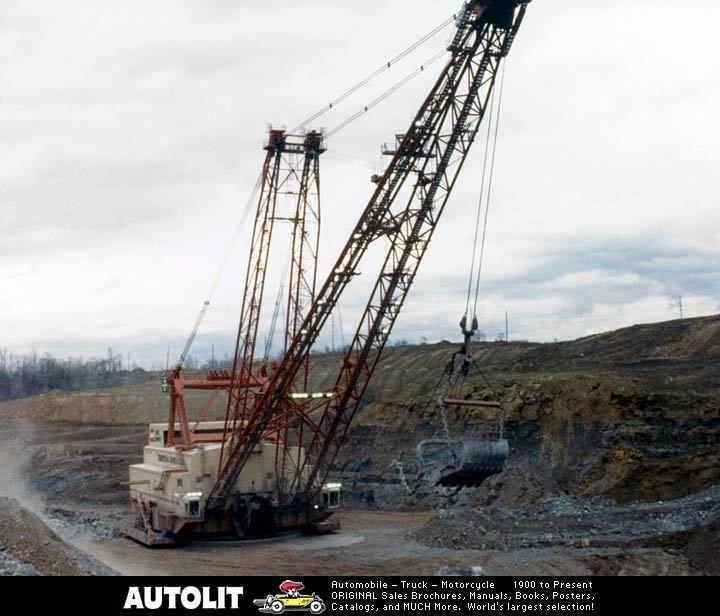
x=489, y=189
x=479, y=205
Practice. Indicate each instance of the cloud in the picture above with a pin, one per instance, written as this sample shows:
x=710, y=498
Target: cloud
x=132, y=136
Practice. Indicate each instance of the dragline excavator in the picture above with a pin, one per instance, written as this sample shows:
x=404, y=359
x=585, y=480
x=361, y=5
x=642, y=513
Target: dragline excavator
x=264, y=467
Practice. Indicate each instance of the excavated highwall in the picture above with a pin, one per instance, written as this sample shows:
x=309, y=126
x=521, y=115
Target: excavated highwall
x=631, y=415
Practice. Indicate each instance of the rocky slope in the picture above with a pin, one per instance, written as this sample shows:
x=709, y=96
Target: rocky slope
x=631, y=414
x=29, y=547
x=614, y=460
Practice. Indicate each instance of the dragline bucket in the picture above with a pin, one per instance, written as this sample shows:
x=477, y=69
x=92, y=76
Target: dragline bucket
x=465, y=462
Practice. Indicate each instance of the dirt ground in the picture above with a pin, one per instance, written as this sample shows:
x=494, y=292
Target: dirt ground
x=614, y=468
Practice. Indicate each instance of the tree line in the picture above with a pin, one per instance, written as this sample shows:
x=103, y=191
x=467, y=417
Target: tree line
x=29, y=375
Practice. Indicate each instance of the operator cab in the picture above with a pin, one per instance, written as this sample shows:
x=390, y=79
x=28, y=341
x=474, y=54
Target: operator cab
x=331, y=495
x=500, y=13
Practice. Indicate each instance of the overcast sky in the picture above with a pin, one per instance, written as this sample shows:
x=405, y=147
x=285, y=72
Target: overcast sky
x=131, y=136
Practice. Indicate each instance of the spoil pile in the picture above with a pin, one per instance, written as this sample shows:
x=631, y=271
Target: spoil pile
x=29, y=547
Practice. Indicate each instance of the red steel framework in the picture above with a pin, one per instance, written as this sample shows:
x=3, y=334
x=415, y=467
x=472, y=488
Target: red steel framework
x=403, y=212
x=290, y=193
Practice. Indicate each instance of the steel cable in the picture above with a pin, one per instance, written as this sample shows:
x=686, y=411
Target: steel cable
x=386, y=66
x=220, y=271
x=489, y=189
x=385, y=94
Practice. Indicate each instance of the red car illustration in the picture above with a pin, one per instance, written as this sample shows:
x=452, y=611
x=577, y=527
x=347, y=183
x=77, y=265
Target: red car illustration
x=290, y=600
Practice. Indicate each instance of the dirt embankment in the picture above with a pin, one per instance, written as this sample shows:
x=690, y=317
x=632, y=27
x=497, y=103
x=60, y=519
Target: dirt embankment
x=629, y=415
x=125, y=405
x=29, y=547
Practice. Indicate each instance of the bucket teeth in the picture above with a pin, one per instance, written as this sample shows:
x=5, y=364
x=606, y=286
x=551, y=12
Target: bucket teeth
x=462, y=463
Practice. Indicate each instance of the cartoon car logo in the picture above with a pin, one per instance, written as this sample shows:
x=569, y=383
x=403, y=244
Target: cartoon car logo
x=290, y=599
